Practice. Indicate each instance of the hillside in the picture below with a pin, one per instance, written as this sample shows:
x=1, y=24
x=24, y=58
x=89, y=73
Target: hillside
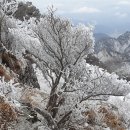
x=114, y=53
x=50, y=78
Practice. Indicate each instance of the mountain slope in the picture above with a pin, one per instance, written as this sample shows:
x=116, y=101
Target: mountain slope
x=114, y=53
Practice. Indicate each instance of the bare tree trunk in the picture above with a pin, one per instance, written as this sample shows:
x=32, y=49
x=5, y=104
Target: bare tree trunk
x=51, y=123
x=52, y=103
x=48, y=117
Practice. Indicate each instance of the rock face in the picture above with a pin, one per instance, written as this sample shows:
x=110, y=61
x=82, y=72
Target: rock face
x=114, y=53
x=26, y=11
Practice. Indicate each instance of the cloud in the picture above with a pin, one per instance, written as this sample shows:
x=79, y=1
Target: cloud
x=123, y=2
x=61, y=12
x=56, y=4
x=86, y=10
x=117, y=7
x=121, y=15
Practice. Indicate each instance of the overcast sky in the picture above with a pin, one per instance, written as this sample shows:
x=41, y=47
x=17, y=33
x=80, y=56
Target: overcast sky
x=108, y=15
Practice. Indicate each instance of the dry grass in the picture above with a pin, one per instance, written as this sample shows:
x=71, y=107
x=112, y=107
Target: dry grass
x=103, y=115
x=11, y=61
x=34, y=97
x=4, y=73
x=7, y=114
x=112, y=120
x=91, y=116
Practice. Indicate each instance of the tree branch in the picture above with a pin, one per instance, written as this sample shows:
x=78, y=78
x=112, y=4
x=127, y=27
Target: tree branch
x=100, y=94
x=64, y=119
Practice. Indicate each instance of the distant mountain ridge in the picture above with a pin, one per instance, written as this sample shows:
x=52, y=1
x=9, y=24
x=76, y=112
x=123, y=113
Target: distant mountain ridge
x=99, y=36
x=114, y=52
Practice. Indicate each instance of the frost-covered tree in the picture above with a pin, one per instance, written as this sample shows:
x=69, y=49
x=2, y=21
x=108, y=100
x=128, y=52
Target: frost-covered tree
x=63, y=46
x=60, y=55
x=7, y=9
x=8, y=22
x=59, y=49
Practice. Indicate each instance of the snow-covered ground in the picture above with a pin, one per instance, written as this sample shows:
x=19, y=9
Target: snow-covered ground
x=44, y=85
